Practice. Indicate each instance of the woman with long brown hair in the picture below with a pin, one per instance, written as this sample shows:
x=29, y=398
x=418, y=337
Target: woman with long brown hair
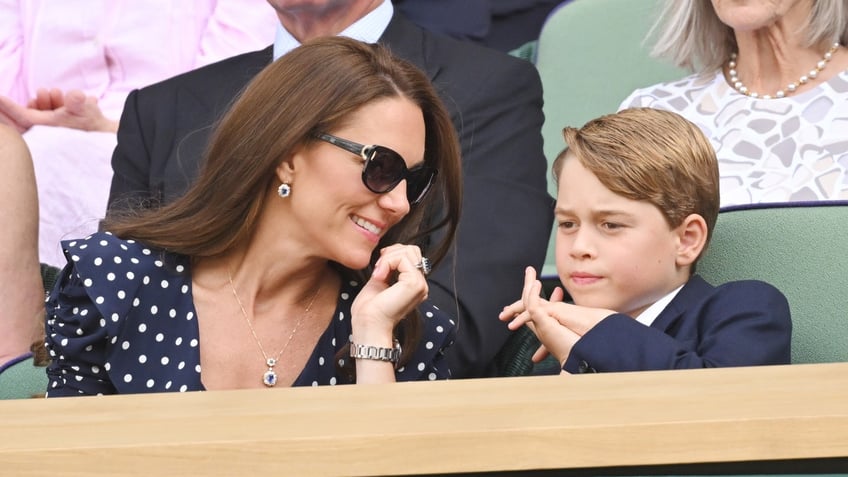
x=298, y=257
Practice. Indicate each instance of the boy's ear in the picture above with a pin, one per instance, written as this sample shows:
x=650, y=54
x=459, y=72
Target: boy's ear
x=691, y=239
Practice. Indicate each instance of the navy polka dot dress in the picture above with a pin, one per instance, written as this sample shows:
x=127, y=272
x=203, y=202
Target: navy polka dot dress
x=121, y=320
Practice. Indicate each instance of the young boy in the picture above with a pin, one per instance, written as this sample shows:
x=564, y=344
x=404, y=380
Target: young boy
x=637, y=201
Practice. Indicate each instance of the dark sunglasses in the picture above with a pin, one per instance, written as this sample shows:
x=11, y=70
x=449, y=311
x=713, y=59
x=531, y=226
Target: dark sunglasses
x=384, y=169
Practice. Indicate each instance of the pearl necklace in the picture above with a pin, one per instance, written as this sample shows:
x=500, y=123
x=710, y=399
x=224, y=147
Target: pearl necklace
x=270, y=377
x=790, y=88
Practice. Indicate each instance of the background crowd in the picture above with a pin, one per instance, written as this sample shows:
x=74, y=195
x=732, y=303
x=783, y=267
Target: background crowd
x=210, y=132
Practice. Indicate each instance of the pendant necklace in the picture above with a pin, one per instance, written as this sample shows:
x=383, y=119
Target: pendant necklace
x=270, y=377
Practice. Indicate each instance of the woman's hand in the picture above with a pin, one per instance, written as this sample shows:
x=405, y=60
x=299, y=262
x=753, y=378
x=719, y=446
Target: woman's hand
x=395, y=288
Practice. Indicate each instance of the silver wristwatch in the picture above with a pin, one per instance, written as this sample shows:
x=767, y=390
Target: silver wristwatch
x=392, y=355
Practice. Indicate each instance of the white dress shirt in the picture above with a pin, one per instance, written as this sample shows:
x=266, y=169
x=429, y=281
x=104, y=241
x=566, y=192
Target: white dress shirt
x=367, y=29
x=651, y=313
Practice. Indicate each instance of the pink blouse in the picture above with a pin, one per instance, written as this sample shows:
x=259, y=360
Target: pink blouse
x=109, y=47
x=106, y=48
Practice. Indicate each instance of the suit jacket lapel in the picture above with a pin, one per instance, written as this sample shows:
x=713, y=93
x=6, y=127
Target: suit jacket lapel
x=691, y=292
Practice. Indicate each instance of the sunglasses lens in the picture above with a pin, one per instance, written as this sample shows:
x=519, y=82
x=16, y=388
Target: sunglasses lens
x=419, y=181
x=384, y=171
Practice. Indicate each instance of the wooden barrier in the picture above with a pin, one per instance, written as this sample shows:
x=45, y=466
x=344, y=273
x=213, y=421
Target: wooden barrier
x=551, y=422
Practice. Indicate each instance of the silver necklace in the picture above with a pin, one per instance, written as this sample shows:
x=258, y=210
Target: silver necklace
x=270, y=377
x=738, y=85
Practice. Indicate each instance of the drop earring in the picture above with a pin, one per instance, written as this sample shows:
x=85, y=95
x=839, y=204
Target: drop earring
x=284, y=190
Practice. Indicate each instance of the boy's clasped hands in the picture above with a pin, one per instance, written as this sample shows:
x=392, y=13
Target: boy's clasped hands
x=557, y=324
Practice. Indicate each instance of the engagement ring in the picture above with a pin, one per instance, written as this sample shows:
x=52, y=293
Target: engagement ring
x=424, y=266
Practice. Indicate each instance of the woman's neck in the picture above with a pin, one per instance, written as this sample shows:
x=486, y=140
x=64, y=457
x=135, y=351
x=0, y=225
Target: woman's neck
x=771, y=59
x=264, y=280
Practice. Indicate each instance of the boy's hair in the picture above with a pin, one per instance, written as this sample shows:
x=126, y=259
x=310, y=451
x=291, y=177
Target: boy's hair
x=653, y=156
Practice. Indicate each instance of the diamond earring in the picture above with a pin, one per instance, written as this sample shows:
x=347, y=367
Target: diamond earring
x=284, y=190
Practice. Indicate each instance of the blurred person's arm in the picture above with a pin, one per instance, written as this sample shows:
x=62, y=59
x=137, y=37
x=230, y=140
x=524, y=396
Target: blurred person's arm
x=21, y=289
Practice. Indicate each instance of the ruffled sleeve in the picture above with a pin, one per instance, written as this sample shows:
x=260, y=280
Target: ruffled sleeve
x=76, y=339
x=108, y=314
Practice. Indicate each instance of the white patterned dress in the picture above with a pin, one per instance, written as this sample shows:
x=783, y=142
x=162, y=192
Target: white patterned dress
x=769, y=150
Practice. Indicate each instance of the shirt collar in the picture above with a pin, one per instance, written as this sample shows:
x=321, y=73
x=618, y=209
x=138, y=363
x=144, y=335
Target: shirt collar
x=651, y=313
x=367, y=29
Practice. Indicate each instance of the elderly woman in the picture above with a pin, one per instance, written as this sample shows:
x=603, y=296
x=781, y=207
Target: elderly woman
x=296, y=259
x=770, y=92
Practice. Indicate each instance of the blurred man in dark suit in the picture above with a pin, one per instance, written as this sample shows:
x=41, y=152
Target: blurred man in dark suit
x=500, y=24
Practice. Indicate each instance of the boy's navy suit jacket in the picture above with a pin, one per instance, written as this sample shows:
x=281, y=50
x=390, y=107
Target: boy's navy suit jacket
x=742, y=323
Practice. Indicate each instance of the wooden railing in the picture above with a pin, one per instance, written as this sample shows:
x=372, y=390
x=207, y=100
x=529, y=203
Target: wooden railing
x=553, y=422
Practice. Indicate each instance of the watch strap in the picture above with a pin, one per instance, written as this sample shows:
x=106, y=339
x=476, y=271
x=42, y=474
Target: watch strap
x=360, y=351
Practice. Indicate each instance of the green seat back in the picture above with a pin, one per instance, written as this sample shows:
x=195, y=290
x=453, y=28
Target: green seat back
x=801, y=249
x=526, y=51
x=23, y=380
x=590, y=56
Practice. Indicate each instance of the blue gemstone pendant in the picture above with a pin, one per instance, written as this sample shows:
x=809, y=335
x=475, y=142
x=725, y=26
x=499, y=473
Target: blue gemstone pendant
x=270, y=377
